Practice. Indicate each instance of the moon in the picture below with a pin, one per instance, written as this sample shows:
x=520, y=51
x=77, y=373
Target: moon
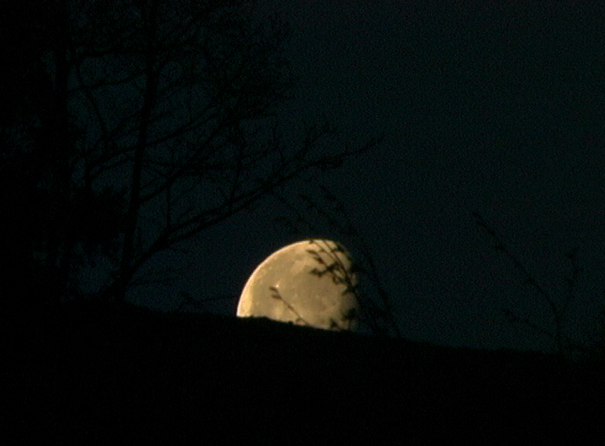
x=306, y=283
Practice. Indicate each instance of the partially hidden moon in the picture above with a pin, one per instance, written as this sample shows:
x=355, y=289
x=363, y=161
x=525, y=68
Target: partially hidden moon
x=306, y=283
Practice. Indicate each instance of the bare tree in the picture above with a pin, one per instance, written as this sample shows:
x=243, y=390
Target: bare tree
x=376, y=310
x=558, y=308
x=169, y=110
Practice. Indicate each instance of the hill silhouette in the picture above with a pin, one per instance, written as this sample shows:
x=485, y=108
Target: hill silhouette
x=96, y=373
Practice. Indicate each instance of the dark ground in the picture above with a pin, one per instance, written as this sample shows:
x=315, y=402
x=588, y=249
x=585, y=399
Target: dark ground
x=100, y=374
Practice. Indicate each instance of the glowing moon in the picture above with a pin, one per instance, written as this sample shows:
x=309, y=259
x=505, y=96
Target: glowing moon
x=306, y=283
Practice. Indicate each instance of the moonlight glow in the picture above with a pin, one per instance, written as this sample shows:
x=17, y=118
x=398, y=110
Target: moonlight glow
x=306, y=283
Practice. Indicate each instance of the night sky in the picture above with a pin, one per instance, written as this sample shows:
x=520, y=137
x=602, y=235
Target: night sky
x=494, y=107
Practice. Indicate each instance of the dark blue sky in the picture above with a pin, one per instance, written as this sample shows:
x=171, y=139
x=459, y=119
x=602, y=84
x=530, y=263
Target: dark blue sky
x=495, y=107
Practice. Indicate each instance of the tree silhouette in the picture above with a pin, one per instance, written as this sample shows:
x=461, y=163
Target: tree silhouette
x=376, y=310
x=558, y=308
x=145, y=122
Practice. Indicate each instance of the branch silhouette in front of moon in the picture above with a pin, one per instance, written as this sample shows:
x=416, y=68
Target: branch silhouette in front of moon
x=306, y=283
